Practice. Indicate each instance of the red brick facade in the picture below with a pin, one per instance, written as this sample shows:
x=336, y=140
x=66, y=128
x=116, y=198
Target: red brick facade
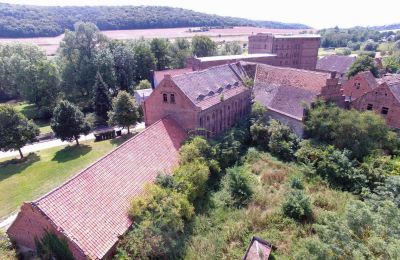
x=383, y=101
x=296, y=51
x=211, y=100
x=358, y=85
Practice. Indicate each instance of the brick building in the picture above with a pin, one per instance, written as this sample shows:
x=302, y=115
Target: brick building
x=286, y=92
x=91, y=209
x=296, y=51
x=358, y=85
x=383, y=99
x=212, y=99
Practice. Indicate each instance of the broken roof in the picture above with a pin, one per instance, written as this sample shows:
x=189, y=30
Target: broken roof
x=91, y=209
x=393, y=82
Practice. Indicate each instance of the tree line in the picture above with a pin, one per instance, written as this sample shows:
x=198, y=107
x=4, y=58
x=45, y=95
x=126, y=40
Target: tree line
x=34, y=21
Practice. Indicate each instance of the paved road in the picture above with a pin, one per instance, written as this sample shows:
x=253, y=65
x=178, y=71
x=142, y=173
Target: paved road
x=52, y=143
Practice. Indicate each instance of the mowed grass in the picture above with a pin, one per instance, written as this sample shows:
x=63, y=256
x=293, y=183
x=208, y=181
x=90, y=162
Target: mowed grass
x=30, y=111
x=44, y=170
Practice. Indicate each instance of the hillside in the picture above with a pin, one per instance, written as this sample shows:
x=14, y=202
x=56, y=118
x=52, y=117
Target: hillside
x=395, y=26
x=34, y=21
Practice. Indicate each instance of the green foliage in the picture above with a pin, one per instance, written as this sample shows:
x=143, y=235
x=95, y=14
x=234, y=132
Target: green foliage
x=360, y=132
x=143, y=84
x=389, y=190
x=180, y=51
x=231, y=48
x=34, y=21
x=160, y=218
x=239, y=185
x=125, y=111
x=296, y=183
x=391, y=63
x=145, y=60
x=124, y=65
x=160, y=48
x=363, y=63
x=260, y=135
x=68, y=122
x=364, y=232
x=258, y=112
x=282, y=141
x=6, y=249
x=203, y=46
x=50, y=246
x=337, y=37
x=297, y=205
x=15, y=129
x=370, y=46
x=101, y=98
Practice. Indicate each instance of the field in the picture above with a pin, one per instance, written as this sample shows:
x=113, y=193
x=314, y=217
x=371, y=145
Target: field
x=50, y=44
x=44, y=170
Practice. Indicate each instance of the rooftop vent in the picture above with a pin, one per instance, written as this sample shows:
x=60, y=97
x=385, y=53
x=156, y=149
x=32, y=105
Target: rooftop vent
x=228, y=86
x=220, y=90
x=211, y=93
x=200, y=97
x=236, y=83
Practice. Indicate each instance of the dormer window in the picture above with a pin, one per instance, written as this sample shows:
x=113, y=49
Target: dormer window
x=172, y=98
x=165, y=98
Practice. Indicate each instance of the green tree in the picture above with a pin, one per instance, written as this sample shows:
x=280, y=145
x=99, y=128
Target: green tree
x=105, y=65
x=143, y=84
x=124, y=65
x=363, y=63
x=144, y=59
x=180, y=51
x=239, y=185
x=370, y=46
x=160, y=49
x=101, y=98
x=125, y=111
x=282, y=141
x=297, y=205
x=203, y=46
x=78, y=51
x=68, y=122
x=231, y=48
x=391, y=64
x=15, y=129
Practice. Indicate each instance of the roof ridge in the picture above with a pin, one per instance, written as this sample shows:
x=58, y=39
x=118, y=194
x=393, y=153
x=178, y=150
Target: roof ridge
x=95, y=162
x=296, y=69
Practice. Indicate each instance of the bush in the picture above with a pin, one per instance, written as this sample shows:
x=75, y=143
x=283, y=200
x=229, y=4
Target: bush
x=51, y=246
x=6, y=248
x=296, y=183
x=239, y=186
x=282, y=141
x=297, y=206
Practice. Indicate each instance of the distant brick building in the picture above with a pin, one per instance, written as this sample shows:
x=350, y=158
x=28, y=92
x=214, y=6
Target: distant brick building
x=212, y=99
x=296, y=51
x=358, y=85
x=383, y=99
x=286, y=92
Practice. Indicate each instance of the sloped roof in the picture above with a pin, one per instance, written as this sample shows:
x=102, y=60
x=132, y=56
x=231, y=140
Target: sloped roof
x=393, y=81
x=201, y=85
x=369, y=77
x=159, y=75
x=285, y=90
x=336, y=63
x=91, y=208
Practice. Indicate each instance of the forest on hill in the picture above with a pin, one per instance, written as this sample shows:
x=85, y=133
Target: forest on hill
x=36, y=21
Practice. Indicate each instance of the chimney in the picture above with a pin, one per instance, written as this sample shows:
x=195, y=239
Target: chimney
x=333, y=74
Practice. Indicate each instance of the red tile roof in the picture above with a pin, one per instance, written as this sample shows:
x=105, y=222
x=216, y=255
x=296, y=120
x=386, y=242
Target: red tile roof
x=336, y=63
x=217, y=98
x=393, y=82
x=91, y=208
x=200, y=86
x=159, y=75
x=285, y=90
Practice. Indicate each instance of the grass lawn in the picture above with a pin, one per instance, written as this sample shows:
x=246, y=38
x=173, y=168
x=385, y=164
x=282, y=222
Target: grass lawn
x=29, y=110
x=44, y=170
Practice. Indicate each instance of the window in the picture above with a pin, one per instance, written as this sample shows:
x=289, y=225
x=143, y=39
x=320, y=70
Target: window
x=384, y=110
x=165, y=98
x=172, y=97
x=201, y=121
x=369, y=107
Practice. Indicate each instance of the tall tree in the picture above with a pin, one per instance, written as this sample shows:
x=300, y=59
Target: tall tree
x=125, y=111
x=15, y=129
x=124, y=64
x=105, y=65
x=180, y=51
x=203, y=46
x=363, y=63
x=68, y=122
x=101, y=98
x=77, y=59
x=144, y=59
x=160, y=49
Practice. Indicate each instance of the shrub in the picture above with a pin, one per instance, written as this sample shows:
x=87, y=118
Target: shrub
x=259, y=135
x=51, y=246
x=297, y=206
x=296, y=183
x=239, y=185
x=6, y=249
x=282, y=141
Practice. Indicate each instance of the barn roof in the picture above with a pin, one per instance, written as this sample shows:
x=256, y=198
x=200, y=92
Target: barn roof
x=91, y=208
x=336, y=63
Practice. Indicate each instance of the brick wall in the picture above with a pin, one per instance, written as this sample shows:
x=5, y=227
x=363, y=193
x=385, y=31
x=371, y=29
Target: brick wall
x=356, y=87
x=378, y=100
x=182, y=110
x=31, y=223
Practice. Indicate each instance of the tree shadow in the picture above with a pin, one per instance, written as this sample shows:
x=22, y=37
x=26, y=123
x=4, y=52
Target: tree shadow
x=16, y=166
x=121, y=139
x=71, y=153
